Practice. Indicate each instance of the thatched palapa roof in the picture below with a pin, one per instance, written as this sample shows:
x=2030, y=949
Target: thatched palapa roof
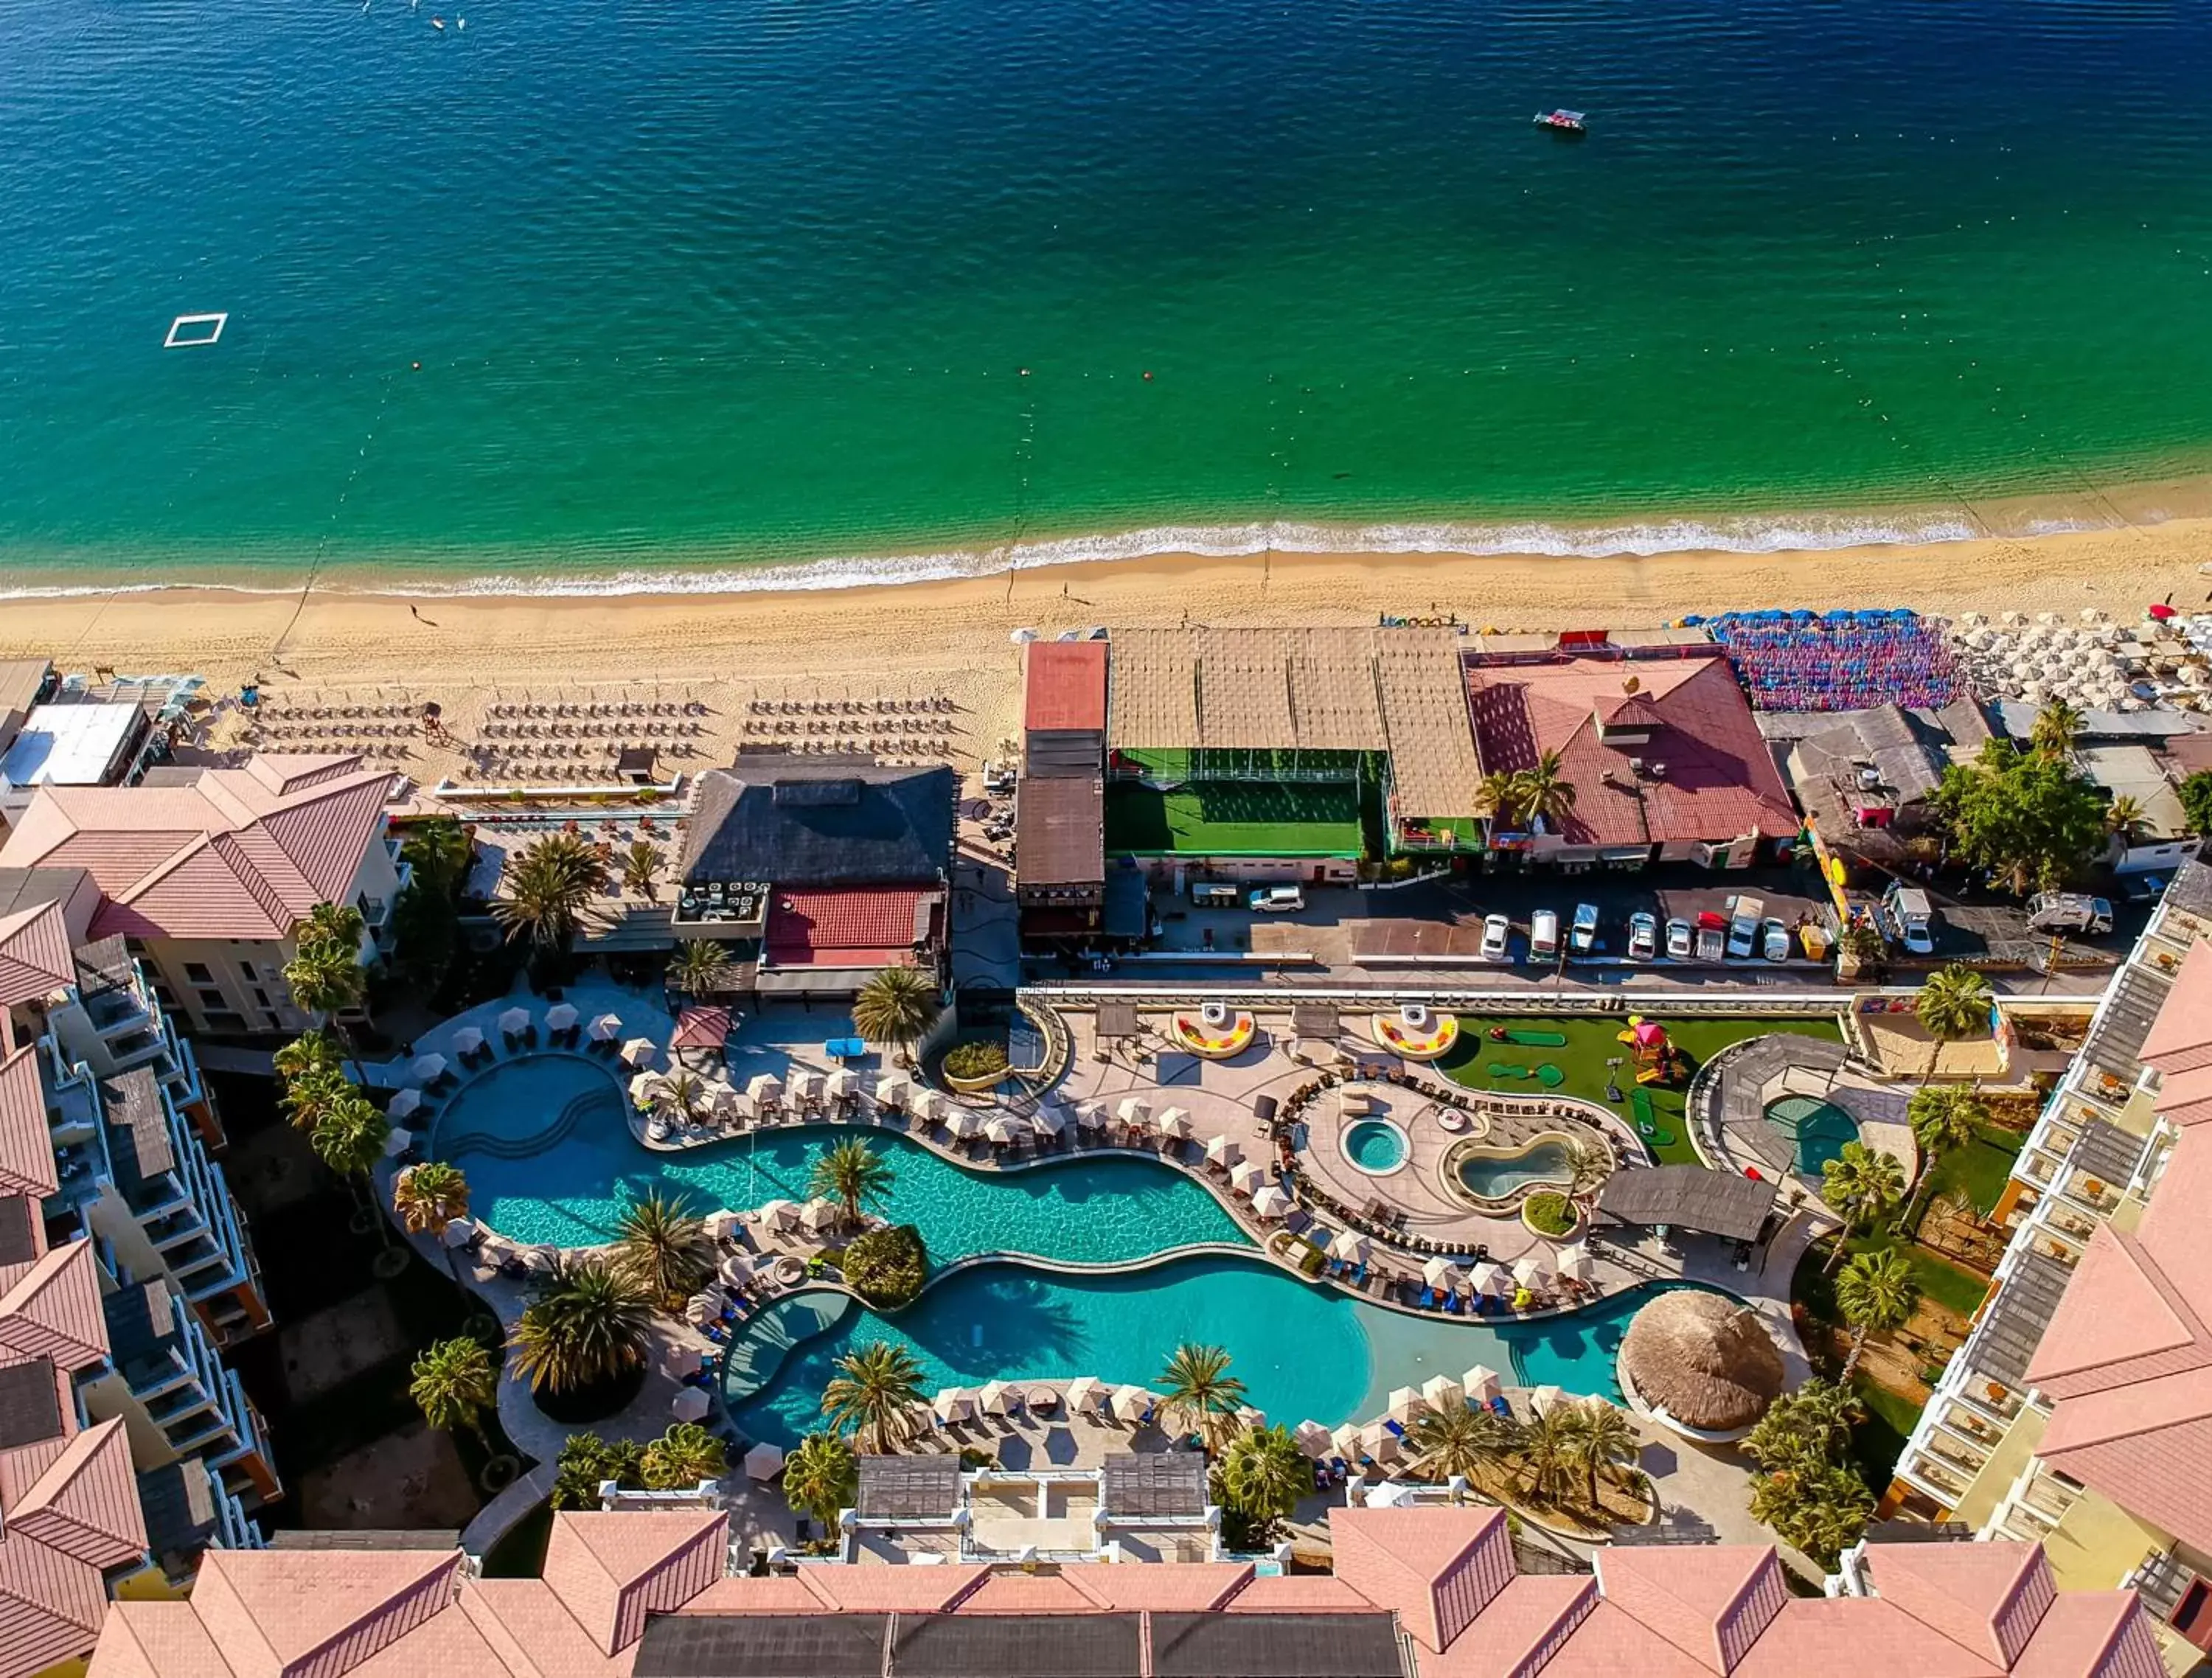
x=1704, y=1359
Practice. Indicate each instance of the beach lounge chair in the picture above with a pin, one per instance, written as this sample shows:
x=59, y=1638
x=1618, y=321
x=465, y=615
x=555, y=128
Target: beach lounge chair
x=1498, y=1405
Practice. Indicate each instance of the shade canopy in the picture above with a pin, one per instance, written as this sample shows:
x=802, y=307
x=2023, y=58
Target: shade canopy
x=1492, y=1279
x=721, y=1225
x=1005, y=1128
x=690, y=1404
x=763, y=1462
x=997, y=1398
x=841, y=1084
x=401, y=1105
x=1173, y=1122
x=1086, y=1392
x=701, y=1309
x=1224, y=1151
x=1345, y=1438
x=1091, y=1115
x=818, y=1214
x=1380, y=1443
x=1134, y=1110
x=967, y=1122
x=1405, y=1404
x=736, y=1269
x=1532, y=1269
x=1349, y=1245
x=701, y=1028
x=1547, y=1399
x=641, y=1051
x=1130, y=1403
x=396, y=1142
x=779, y=1214
x=1442, y=1393
x=1312, y=1438
x=515, y=1021
x=560, y=1016
x=926, y=1104
x=606, y=1028
x=1704, y=1359
x=1273, y=1201
x=1577, y=1263
x=953, y=1404
x=1689, y=1197
x=892, y=1090
x=427, y=1069
x=467, y=1040
x=1249, y=1178
x=1440, y=1271
x=1050, y=1119
x=645, y=1088
x=458, y=1232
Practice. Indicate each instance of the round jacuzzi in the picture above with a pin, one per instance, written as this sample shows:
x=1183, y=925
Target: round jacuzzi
x=1375, y=1146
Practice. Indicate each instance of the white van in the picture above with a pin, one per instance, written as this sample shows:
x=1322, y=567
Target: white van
x=1277, y=899
x=1544, y=935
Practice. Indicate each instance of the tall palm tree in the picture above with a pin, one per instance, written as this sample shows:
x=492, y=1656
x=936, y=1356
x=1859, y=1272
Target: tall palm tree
x=1811, y=1426
x=662, y=1248
x=896, y=1005
x=1544, y=790
x=453, y=1383
x=1602, y=1439
x=1954, y=1003
x=310, y=1052
x=681, y=1457
x=589, y=1324
x=1945, y=1116
x=429, y=1196
x=311, y=1093
x=822, y=1477
x=324, y=975
x=1589, y=1165
x=684, y=1091
x=1497, y=798
x=1859, y=1185
x=1200, y=1393
x=439, y=850
x=1874, y=1292
x=641, y=866
x=1264, y=1474
x=874, y=1393
x=2057, y=725
x=349, y=1137
x=1457, y=1442
x=1547, y=1458
x=2126, y=818
x=854, y=1175
x=700, y=967
x=548, y=890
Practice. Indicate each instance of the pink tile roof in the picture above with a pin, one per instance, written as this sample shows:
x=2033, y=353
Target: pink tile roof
x=87, y=1504
x=2093, y=1635
x=27, y=1147
x=1711, y=1602
x=1519, y=1631
x=2115, y=1311
x=2147, y=1446
x=1848, y=1638
x=2180, y=1038
x=1609, y=1643
x=1986, y=1598
x=52, y=1310
x=299, y=1613
x=611, y=1570
x=1190, y=1587
x=525, y=1624
x=830, y=927
x=450, y=1643
x=241, y=854
x=1064, y=685
x=37, y=955
x=157, y=1640
x=2185, y=1097
x=1720, y=782
x=1298, y=1593
x=892, y=1590
x=1436, y=1573
x=1022, y=1593
x=2176, y=1230
x=51, y=1606
x=777, y=1593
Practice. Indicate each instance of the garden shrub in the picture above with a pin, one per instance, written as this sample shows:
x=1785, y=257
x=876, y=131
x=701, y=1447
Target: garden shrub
x=887, y=1266
x=1549, y=1213
x=974, y=1060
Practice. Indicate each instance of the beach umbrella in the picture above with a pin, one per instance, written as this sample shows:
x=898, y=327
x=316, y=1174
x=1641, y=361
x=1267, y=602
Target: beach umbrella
x=1491, y=1279
x=1532, y=1270
x=690, y=1404
x=1134, y=1111
x=1349, y=1245
x=721, y=1225
x=1405, y=1404
x=1091, y=1114
x=515, y=1021
x=560, y=1016
x=1576, y=1261
x=1022, y=637
x=403, y=1105
x=1380, y=1443
x=925, y=1104
x=644, y=1087
x=701, y=1309
x=953, y=1404
x=1345, y=1440
x=1547, y=1399
x=1440, y=1271
x=1251, y=1416
x=764, y=1087
x=736, y=1269
x=892, y=1090
x=428, y=1068
x=1481, y=1382
x=1249, y=1179
x=996, y=1398
x=807, y=1086
x=763, y=1462
x=779, y=1214
x=841, y=1084
x=1222, y=1152
x=1050, y=1119
x=1173, y=1122
x=1130, y=1403
x=458, y=1231
x=467, y=1040
x=606, y=1028
x=1086, y=1392
x=640, y=1051
x=396, y=1142
x=819, y=1215
x=965, y=1121
x=1440, y=1392
x=1005, y=1127
x=1273, y=1201
x=1313, y=1439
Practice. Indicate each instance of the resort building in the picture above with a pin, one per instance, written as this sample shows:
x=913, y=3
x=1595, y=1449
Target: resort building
x=819, y=873
x=1666, y=760
x=58, y=731
x=1418, y=1592
x=1287, y=754
x=2079, y=1411
x=1132, y=1507
x=1061, y=883
x=206, y=873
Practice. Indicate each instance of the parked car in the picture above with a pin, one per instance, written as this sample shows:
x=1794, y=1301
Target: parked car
x=1777, y=939
x=1678, y=939
x=1496, y=929
x=1743, y=925
x=1643, y=935
x=1583, y=938
x=1712, y=934
x=1277, y=899
x=1544, y=935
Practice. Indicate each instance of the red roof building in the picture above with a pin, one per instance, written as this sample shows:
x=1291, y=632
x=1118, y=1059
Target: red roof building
x=1064, y=687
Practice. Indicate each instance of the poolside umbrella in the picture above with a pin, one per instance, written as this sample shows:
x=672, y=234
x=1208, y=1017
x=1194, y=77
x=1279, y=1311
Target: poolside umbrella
x=1273, y=1201
x=721, y=1225
x=428, y=1068
x=1576, y=1261
x=925, y=1104
x=1547, y=1399
x=763, y=1462
x=779, y=1214
x=1091, y=1114
x=963, y=1122
x=1380, y=1443
x=1222, y=1152
x=403, y=1105
x=467, y=1040
x=514, y=1022
x=1313, y=1439
x=1173, y=1122
x=1086, y=1392
x=1492, y=1279
x=1249, y=1179
x=560, y=1016
x=841, y=1084
x=458, y=1231
x=996, y=1398
x=819, y=1215
x=644, y=1088
x=806, y=1088
x=1050, y=1119
x=1532, y=1270
x=736, y=1269
x=396, y=1142
x=1345, y=1439
x=1130, y=1403
x=1349, y=1245
x=1440, y=1392
x=892, y=1091
x=1481, y=1383
x=1440, y=1272
x=1405, y=1405
x=606, y=1028
x=764, y=1087
x=953, y=1404
x=1005, y=1128
x=640, y=1051
x=1134, y=1111
x=701, y=1309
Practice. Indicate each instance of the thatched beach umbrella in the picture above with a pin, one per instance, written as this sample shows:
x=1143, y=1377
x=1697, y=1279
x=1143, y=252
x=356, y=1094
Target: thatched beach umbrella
x=1706, y=1361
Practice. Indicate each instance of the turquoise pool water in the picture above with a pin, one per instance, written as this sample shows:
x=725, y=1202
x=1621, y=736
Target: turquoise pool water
x=1817, y=1130
x=1495, y=1177
x=1375, y=1146
x=571, y=1190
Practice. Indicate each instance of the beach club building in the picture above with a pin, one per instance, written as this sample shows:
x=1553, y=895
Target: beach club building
x=1065, y=891
x=1286, y=754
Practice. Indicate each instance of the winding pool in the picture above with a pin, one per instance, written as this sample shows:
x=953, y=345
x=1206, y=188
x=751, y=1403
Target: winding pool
x=1495, y=1175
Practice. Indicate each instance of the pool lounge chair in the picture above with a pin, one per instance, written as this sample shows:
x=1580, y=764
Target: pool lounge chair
x=1498, y=1405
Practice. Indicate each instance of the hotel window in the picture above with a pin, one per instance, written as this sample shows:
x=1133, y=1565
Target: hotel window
x=197, y=973
x=261, y=999
x=249, y=971
x=222, y=1019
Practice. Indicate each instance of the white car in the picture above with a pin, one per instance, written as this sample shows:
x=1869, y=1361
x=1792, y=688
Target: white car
x=1544, y=934
x=1496, y=929
x=1277, y=899
x=1678, y=939
x=1643, y=936
x=1777, y=937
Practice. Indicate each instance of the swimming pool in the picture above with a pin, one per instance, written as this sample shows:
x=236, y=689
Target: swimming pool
x=1497, y=1176
x=1817, y=1130
x=1375, y=1146
x=571, y=1189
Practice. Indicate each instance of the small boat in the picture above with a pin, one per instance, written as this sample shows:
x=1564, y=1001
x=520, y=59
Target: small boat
x=1562, y=121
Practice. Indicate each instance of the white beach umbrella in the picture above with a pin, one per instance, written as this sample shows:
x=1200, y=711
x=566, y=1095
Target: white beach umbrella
x=1491, y=1278
x=996, y=1398
x=1442, y=1393
x=428, y=1068
x=925, y=1104
x=1405, y=1404
x=458, y=1231
x=1380, y=1443
x=645, y=1088
x=763, y=1462
x=1547, y=1399
x=1533, y=1270
x=1348, y=1246
x=818, y=1215
x=606, y=1028
x=641, y=1051
x=1251, y=1416
x=701, y=1309
x=1134, y=1111
x=467, y=1040
x=779, y=1214
x=690, y=1404
x=892, y=1090
x=1223, y=1151
x=1050, y=1119
x=1481, y=1382
x=1091, y=1114
x=953, y=1404
x=560, y=1016
x=1273, y=1201
x=721, y=1225
x=515, y=1021
x=402, y=1105
x=807, y=1086
x=1440, y=1271
x=1249, y=1178
x=1004, y=1128
x=397, y=1142
x=1345, y=1438
x=1086, y=1393
x=1313, y=1439
x=1576, y=1261
x=1173, y=1122
x=842, y=1084
x=764, y=1087
x=736, y=1269
x=1130, y=1403
x=1022, y=637
x=966, y=1122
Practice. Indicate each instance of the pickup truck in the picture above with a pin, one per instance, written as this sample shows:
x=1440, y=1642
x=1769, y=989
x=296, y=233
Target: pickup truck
x=1745, y=912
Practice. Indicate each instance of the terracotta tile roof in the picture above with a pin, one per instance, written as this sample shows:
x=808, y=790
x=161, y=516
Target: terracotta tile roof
x=2147, y=1446
x=1987, y=1597
x=2185, y=1097
x=1846, y=1638
x=1299, y=1593
x=1720, y=781
x=36, y=956
x=51, y=1606
x=2180, y=1038
x=2176, y=1230
x=1437, y=1573
x=2117, y=1311
x=611, y=1570
x=450, y=1643
x=828, y=927
x=524, y=1625
x=1710, y=1602
x=27, y=1147
x=52, y=1310
x=1184, y=1588
x=1021, y=1593
x=1064, y=685
x=2093, y=1635
x=303, y=1613
x=87, y=1504
x=1613, y=1645
x=1523, y=1626
x=157, y=1640
x=241, y=854
x=892, y=1590
x=777, y=1593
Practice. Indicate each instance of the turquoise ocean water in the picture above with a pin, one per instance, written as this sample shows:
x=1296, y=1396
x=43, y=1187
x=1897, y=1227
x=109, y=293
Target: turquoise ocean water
x=725, y=287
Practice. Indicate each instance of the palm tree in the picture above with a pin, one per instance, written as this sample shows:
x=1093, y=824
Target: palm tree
x=1874, y=1292
x=429, y=1196
x=1456, y=1443
x=310, y=1094
x=548, y=890
x=896, y=1005
x=1589, y=1165
x=684, y=1091
x=1859, y=1185
x=1264, y=1474
x=1548, y=1446
x=1201, y=1393
x=2126, y=818
x=453, y=1383
x=854, y=1175
x=700, y=967
x=1945, y=1116
x=1497, y=798
x=1544, y=792
x=1602, y=1439
x=1866, y=946
x=349, y=1137
x=641, y=866
x=874, y=1393
x=1954, y=1004
x=324, y=975
x=663, y=1248
x=822, y=1477
x=681, y=1457
x=1822, y=1510
x=589, y=1325
x=310, y=1052
x=439, y=850
x=2057, y=725
x=1811, y=1426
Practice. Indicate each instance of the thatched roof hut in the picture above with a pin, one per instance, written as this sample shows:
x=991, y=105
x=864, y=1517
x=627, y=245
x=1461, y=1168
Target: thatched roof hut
x=1702, y=1358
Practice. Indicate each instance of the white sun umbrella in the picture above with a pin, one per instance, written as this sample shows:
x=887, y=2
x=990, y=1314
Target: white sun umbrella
x=515, y=1021
x=1547, y=1399
x=893, y=1089
x=996, y=1398
x=560, y=1016
x=1313, y=1439
x=1440, y=1271
x=763, y=1462
x=818, y=1215
x=1004, y=1128
x=640, y=1051
x=736, y=1269
x=1442, y=1393
x=1223, y=1151
x=780, y=1214
x=690, y=1404
x=1251, y=1416
x=644, y=1087
x=1575, y=1262
x=1492, y=1279
x=764, y=1087
x=965, y=1122
x=1050, y=1119
x=841, y=1083
x=467, y=1040
x=722, y=1225
x=925, y=1104
x=1532, y=1270
x=1130, y=1403
x=1173, y=1122
x=953, y=1404
x=1349, y=1245
x=1405, y=1405
x=403, y=1105
x=606, y=1028
x=458, y=1231
x=428, y=1068
x=1086, y=1392
x=1134, y=1111
x=701, y=1309
x=1273, y=1201
x=1091, y=1114
x=807, y=1086
x=1345, y=1438
x=1380, y=1443
x=397, y=1142
x=1481, y=1382
x=1249, y=1178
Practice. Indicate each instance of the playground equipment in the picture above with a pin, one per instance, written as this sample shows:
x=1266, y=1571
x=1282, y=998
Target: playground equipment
x=1657, y=1059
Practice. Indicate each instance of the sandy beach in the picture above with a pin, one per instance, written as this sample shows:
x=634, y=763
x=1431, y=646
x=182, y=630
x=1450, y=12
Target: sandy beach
x=952, y=638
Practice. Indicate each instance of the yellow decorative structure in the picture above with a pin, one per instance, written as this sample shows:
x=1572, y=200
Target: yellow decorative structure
x=1417, y=1033
x=1215, y=1033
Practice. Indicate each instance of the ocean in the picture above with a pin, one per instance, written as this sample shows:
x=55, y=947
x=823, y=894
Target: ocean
x=670, y=294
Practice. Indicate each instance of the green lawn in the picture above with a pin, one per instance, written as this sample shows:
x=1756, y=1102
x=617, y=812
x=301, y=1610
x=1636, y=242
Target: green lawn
x=1235, y=819
x=1978, y=1171
x=1591, y=1043
x=1879, y=1441
x=1948, y=1284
